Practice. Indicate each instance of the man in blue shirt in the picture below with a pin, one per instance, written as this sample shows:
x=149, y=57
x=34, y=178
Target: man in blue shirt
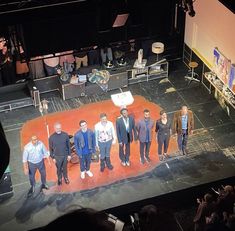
x=84, y=141
x=33, y=159
x=183, y=125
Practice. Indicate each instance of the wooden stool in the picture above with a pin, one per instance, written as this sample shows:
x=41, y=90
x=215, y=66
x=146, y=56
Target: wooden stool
x=192, y=75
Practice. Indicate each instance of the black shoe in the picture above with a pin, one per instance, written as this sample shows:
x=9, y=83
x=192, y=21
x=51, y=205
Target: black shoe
x=102, y=168
x=66, y=180
x=59, y=182
x=147, y=159
x=31, y=191
x=181, y=153
x=110, y=167
x=44, y=186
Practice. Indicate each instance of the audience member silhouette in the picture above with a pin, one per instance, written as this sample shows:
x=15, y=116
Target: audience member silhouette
x=85, y=218
x=5, y=151
x=205, y=208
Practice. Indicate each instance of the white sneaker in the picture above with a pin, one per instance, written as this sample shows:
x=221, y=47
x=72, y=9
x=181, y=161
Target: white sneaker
x=123, y=163
x=128, y=163
x=89, y=173
x=83, y=175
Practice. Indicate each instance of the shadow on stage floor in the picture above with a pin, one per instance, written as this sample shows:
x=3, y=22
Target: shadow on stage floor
x=210, y=159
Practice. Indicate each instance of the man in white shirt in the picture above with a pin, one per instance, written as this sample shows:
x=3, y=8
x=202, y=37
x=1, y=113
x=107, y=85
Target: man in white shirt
x=105, y=136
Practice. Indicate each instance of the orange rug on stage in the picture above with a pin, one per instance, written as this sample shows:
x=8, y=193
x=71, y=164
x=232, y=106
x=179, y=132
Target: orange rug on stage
x=90, y=112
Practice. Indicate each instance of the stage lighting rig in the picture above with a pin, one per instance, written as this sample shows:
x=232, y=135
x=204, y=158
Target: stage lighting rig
x=187, y=5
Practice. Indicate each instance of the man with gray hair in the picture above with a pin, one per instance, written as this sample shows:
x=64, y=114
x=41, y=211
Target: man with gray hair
x=59, y=145
x=183, y=125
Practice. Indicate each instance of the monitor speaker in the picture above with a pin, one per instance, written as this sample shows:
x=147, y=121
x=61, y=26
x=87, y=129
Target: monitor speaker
x=6, y=188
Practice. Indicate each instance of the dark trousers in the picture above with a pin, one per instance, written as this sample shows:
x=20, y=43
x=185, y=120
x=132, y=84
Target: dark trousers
x=144, y=149
x=124, y=155
x=61, y=165
x=85, y=162
x=32, y=170
x=105, y=148
x=163, y=140
x=182, y=140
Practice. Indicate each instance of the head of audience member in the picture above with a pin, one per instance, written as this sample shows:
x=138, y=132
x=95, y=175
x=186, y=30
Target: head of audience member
x=228, y=189
x=184, y=110
x=83, y=125
x=148, y=218
x=103, y=118
x=163, y=114
x=124, y=112
x=57, y=128
x=34, y=139
x=2, y=42
x=85, y=218
x=213, y=218
x=208, y=198
x=5, y=151
x=146, y=114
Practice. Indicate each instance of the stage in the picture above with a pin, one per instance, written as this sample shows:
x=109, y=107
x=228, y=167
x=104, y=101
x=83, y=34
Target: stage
x=211, y=152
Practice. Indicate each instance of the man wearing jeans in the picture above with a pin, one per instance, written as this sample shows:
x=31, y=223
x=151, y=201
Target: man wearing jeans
x=145, y=128
x=105, y=137
x=33, y=160
x=183, y=125
x=84, y=141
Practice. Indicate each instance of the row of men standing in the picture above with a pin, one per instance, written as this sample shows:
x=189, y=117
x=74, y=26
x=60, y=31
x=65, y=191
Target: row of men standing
x=87, y=141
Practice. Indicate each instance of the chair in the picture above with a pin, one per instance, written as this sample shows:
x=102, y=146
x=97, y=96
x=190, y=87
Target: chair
x=192, y=75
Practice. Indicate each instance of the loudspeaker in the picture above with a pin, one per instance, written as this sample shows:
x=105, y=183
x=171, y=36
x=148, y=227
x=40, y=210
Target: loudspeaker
x=6, y=189
x=229, y=4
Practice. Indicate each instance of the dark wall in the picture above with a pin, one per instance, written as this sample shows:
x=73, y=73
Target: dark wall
x=85, y=24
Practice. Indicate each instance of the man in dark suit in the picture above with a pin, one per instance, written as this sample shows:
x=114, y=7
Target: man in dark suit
x=125, y=127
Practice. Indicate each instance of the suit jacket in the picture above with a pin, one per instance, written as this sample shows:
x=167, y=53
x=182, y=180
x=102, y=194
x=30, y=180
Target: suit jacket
x=121, y=130
x=177, y=122
x=80, y=143
x=142, y=130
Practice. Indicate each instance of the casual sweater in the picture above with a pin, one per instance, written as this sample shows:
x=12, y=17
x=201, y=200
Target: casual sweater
x=59, y=144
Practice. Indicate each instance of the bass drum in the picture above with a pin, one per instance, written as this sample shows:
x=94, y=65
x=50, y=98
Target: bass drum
x=74, y=158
